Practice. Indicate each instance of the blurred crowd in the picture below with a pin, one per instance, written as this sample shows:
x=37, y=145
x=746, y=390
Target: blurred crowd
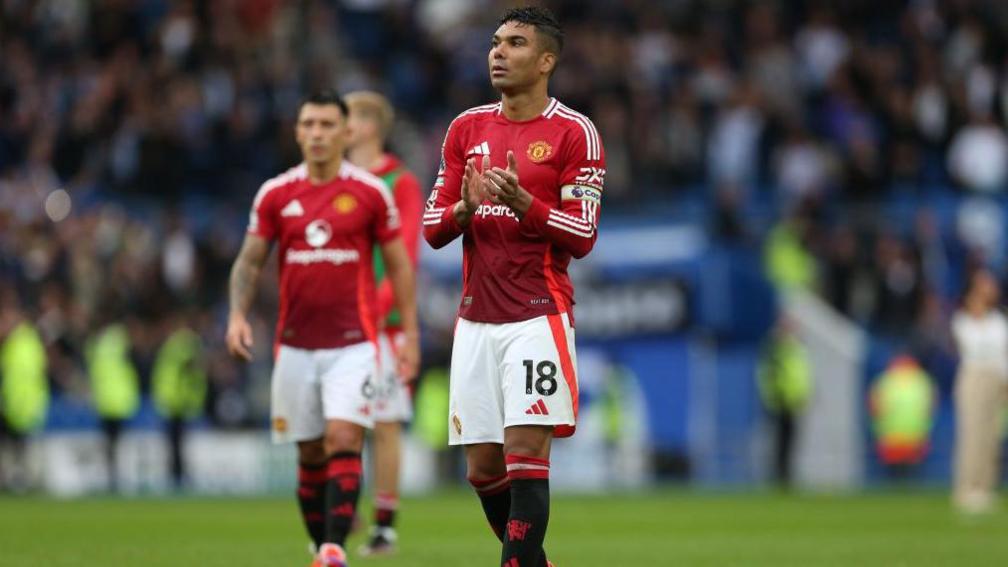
x=863, y=140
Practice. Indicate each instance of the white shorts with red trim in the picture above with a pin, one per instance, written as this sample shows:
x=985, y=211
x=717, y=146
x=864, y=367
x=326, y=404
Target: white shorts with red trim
x=505, y=374
x=310, y=387
x=392, y=402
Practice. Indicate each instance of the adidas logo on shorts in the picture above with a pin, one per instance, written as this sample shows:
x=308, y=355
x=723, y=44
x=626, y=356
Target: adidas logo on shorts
x=538, y=408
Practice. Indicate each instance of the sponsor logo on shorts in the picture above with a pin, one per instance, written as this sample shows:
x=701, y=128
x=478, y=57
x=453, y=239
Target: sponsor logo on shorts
x=538, y=408
x=457, y=423
x=539, y=301
x=279, y=425
x=539, y=151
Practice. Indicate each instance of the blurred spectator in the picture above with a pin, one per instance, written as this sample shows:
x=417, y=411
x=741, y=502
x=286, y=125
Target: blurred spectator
x=978, y=156
x=981, y=334
x=431, y=403
x=823, y=47
x=899, y=285
x=115, y=388
x=902, y=402
x=683, y=138
x=733, y=147
x=179, y=387
x=980, y=228
x=785, y=385
x=787, y=256
x=24, y=392
x=801, y=166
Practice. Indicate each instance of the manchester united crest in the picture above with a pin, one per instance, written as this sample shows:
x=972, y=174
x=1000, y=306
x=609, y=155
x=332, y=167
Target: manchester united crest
x=344, y=203
x=539, y=151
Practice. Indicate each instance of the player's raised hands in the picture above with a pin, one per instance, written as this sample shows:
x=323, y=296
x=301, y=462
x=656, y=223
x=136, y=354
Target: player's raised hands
x=503, y=187
x=473, y=187
x=239, y=337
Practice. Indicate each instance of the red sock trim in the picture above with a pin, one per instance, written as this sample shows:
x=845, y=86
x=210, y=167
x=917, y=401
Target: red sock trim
x=342, y=466
x=514, y=459
x=522, y=467
x=386, y=501
x=491, y=486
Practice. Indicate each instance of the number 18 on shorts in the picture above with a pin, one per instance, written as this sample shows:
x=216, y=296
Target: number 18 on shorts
x=505, y=374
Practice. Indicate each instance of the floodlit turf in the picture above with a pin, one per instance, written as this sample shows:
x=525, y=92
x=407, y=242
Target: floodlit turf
x=448, y=530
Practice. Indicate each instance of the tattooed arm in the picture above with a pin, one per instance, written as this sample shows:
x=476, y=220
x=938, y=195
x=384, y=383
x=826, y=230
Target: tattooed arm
x=241, y=291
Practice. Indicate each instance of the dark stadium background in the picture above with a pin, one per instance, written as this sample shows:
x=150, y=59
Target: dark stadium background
x=851, y=154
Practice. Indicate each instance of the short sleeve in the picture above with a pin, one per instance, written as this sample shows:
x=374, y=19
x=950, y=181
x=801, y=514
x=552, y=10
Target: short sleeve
x=263, y=218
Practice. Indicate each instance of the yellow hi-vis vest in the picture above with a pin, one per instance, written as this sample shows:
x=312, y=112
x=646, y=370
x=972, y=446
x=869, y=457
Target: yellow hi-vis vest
x=431, y=421
x=902, y=398
x=785, y=375
x=24, y=390
x=179, y=379
x=115, y=386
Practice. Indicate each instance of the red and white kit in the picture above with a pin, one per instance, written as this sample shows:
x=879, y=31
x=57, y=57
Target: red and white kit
x=327, y=326
x=513, y=359
x=393, y=401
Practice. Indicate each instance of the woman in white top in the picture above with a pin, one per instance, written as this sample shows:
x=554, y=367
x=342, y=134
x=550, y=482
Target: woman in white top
x=981, y=334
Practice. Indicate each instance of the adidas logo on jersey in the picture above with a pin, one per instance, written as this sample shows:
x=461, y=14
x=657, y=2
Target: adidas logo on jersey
x=538, y=408
x=482, y=149
x=293, y=209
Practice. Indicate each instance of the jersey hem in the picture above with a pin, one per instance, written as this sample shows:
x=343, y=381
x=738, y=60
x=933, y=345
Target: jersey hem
x=326, y=347
x=519, y=320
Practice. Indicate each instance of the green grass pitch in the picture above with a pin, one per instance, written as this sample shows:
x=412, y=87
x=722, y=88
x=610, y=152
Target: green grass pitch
x=448, y=530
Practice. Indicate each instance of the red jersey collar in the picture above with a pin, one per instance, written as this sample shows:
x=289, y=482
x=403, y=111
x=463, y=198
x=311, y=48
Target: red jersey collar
x=546, y=113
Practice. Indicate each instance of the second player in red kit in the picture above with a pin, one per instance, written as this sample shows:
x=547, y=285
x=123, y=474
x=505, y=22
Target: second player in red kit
x=328, y=218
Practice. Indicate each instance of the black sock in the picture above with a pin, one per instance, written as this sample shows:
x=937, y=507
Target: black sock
x=311, y=496
x=495, y=496
x=386, y=505
x=530, y=500
x=343, y=476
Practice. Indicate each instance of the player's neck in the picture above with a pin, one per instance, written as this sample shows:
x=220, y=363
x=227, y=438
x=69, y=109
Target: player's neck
x=525, y=105
x=324, y=172
x=369, y=156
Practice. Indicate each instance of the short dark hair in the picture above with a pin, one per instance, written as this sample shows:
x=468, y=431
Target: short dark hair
x=327, y=96
x=544, y=21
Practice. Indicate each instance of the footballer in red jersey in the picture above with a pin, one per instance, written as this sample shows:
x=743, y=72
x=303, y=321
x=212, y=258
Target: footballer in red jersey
x=521, y=181
x=371, y=118
x=327, y=217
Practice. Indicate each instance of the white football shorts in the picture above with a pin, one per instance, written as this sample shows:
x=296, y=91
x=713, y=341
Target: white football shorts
x=310, y=387
x=392, y=401
x=505, y=374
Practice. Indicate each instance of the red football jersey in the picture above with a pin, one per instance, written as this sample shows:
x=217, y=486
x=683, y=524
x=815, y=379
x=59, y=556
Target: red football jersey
x=326, y=236
x=516, y=269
